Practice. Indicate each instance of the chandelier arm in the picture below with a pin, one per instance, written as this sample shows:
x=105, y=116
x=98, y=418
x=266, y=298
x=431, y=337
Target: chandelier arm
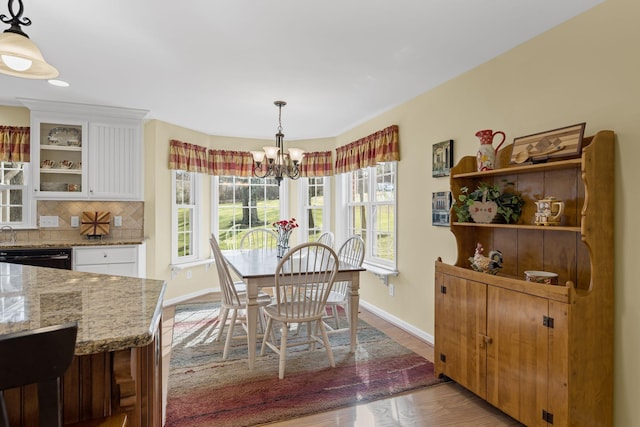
x=259, y=172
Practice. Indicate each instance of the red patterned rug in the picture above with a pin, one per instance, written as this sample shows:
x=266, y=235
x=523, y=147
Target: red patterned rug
x=204, y=391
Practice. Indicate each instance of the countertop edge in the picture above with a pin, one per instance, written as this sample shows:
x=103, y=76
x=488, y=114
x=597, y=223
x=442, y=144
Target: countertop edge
x=84, y=348
x=70, y=244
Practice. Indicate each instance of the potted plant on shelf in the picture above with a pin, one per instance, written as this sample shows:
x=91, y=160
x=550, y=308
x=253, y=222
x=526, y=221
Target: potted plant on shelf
x=487, y=203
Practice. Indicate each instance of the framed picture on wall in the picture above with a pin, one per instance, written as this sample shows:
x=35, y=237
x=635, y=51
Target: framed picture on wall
x=442, y=158
x=440, y=208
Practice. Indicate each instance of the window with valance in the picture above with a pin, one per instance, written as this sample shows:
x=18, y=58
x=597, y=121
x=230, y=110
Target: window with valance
x=187, y=157
x=194, y=158
x=316, y=164
x=381, y=146
x=15, y=144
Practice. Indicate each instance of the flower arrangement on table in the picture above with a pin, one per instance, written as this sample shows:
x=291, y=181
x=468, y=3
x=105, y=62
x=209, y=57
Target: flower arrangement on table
x=283, y=228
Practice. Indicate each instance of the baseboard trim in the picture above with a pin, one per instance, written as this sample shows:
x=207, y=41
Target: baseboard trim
x=187, y=297
x=398, y=322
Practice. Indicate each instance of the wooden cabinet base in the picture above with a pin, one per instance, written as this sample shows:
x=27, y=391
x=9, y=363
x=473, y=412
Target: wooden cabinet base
x=98, y=385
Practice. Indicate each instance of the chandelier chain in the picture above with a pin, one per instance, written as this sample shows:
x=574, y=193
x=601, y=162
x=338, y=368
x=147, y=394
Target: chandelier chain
x=16, y=19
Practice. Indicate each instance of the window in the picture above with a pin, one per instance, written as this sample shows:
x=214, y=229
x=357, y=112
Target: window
x=315, y=208
x=371, y=204
x=185, y=216
x=16, y=208
x=242, y=204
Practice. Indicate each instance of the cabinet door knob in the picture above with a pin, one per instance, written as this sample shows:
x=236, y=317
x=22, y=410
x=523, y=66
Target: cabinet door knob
x=105, y=255
x=484, y=340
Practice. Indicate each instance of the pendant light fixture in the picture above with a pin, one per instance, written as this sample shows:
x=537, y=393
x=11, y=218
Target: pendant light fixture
x=19, y=56
x=278, y=164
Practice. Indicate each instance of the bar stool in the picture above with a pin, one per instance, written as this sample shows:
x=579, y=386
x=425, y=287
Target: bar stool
x=42, y=356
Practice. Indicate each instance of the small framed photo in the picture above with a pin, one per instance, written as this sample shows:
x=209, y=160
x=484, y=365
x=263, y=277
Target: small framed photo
x=563, y=143
x=442, y=158
x=440, y=208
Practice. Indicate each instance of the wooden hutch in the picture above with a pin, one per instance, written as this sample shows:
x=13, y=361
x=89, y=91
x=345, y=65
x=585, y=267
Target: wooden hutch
x=541, y=353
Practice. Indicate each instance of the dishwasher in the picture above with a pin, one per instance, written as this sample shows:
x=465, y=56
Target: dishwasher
x=41, y=257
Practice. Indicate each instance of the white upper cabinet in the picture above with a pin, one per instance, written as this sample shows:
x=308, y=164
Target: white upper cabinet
x=81, y=152
x=115, y=160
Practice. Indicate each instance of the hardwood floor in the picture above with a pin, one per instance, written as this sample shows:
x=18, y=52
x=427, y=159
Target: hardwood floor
x=445, y=404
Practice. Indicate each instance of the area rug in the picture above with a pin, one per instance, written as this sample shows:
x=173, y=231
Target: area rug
x=203, y=390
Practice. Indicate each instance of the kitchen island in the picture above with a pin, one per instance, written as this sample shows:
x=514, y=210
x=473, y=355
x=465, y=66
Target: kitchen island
x=118, y=358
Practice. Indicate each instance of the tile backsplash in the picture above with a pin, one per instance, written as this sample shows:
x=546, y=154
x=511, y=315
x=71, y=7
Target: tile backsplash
x=132, y=214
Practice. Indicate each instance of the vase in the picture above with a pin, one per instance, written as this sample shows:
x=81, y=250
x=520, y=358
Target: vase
x=282, y=246
x=486, y=156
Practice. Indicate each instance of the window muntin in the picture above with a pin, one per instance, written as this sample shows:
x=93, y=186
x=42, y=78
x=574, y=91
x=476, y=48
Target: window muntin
x=243, y=204
x=15, y=207
x=315, y=215
x=374, y=219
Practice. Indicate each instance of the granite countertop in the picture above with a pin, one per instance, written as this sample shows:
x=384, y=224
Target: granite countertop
x=113, y=312
x=69, y=243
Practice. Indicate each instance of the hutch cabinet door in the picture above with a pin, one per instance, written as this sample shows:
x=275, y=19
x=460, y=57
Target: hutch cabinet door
x=518, y=356
x=460, y=331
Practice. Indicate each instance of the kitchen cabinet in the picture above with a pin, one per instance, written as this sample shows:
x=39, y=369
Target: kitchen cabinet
x=541, y=353
x=119, y=260
x=84, y=152
x=59, y=157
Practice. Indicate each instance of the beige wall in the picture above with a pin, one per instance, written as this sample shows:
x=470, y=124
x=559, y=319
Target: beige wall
x=14, y=116
x=587, y=69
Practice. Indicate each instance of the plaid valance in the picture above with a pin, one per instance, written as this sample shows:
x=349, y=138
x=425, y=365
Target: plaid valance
x=187, y=157
x=382, y=146
x=230, y=163
x=316, y=164
x=15, y=144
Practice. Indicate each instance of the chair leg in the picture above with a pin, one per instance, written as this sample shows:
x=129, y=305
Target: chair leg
x=334, y=308
x=311, y=332
x=266, y=335
x=327, y=346
x=227, y=343
x=224, y=312
x=283, y=350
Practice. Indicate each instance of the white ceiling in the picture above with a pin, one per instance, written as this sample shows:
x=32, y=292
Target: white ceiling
x=217, y=66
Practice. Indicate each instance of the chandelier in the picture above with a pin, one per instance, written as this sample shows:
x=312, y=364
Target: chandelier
x=278, y=164
x=19, y=56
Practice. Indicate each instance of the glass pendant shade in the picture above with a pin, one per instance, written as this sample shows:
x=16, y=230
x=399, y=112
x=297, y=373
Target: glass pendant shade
x=271, y=152
x=258, y=156
x=20, y=57
x=296, y=154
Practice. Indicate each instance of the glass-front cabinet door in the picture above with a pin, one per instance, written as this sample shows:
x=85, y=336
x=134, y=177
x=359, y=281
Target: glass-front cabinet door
x=59, y=159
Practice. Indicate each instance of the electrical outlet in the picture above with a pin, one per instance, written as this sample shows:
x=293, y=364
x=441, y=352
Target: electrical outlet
x=49, y=221
x=392, y=289
x=189, y=274
x=117, y=221
x=75, y=221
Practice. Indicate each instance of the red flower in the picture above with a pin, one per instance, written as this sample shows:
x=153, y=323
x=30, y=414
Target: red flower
x=285, y=224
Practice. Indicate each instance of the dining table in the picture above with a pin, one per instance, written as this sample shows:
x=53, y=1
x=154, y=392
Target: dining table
x=257, y=269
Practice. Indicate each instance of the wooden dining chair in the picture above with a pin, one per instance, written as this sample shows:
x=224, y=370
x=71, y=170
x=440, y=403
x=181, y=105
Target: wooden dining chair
x=303, y=280
x=327, y=238
x=42, y=356
x=232, y=301
x=259, y=238
x=351, y=252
